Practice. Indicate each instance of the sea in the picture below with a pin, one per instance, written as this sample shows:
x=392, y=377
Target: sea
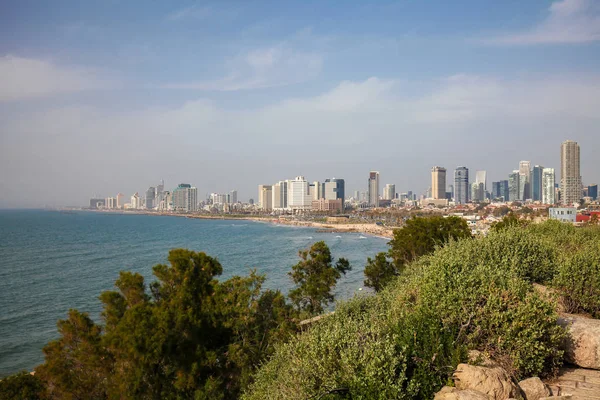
x=52, y=261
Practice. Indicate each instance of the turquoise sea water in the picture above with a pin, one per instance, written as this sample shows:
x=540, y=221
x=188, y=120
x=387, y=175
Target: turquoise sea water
x=52, y=261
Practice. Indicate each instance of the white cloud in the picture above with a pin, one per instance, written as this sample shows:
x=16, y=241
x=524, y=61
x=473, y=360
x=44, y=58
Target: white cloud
x=22, y=78
x=568, y=21
x=261, y=68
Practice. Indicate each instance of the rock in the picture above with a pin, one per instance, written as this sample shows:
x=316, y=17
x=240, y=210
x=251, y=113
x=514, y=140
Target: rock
x=534, y=389
x=451, y=393
x=582, y=344
x=494, y=382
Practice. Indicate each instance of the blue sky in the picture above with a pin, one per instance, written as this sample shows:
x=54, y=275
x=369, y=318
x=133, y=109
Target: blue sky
x=106, y=97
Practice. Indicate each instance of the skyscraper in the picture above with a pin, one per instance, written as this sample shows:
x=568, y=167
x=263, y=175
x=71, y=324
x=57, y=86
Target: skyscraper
x=570, y=173
x=299, y=197
x=150, y=196
x=525, y=180
x=548, y=189
x=265, y=197
x=514, y=186
x=461, y=185
x=233, y=197
x=373, y=185
x=593, y=191
x=438, y=183
x=477, y=192
x=333, y=189
x=185, y=198
x=536, y=183
x=481, y=177
x=120, y=201
x=389, y=192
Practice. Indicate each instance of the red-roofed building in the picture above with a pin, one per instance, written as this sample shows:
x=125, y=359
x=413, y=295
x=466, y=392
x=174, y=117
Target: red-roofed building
x=587, y=216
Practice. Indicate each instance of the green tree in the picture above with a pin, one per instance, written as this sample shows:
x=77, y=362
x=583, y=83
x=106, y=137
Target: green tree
x=510, y=220
x=315, y=276
x=419, y=236
x=23, y=386
x=501, y=211
x=188, y=336
x=379, y=271
x=77, y=365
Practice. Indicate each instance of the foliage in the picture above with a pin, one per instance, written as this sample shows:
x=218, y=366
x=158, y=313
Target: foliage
x=356, y=353
x=191, y=336
x=468, y=294
x=315, y=276
x=77, y=365
x=379, y=272
x=419, y=236
x=501, y=211
x=578, y=281
x=510, y=220
x=23, y=386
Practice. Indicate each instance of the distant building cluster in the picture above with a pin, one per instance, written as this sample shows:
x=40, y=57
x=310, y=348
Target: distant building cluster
x=531, y=184
x=299, y=195
x=525, y=184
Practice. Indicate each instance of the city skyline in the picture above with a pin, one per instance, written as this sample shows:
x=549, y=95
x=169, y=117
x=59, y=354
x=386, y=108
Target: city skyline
x=526, y=183
x=105, y=98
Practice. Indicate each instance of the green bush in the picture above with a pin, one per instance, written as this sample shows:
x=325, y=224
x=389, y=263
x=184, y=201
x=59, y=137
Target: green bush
x=22, y=386
x=406, y=341
x=359, y=353
x=578, y=281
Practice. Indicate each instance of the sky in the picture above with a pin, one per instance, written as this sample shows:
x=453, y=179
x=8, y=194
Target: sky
x=103, y=97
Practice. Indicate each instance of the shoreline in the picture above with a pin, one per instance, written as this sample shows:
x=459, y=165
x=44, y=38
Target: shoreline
x=324, y=227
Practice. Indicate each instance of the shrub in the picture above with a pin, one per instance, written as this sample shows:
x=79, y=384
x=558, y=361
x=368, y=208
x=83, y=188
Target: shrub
x=359, y=353
x=406, y=341
x=578, y=281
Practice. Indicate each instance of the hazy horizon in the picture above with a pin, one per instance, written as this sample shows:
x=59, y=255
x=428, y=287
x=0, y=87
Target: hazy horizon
x=100, y=98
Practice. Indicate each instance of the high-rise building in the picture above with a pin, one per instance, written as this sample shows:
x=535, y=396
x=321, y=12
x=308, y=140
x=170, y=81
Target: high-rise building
x=525, y=180
x=389, y=191
x=136, y=201
x=333, y=189
x=593, y=191
x=265, y=197
x=481, y=177
x=373, y=185
x=500, y=190
x=461, y=185
x=280, y=196
x=96, y=203
x=536, y=183
x=514, y=186
x=570, y=173
x=120, y=200
x=548, y=186
x=185, y=198
x=316, y=190
x=299, y=197
x=357, y=195
x=150, y=196
x=477, y=192
x=111, y=203
x=233, y=197
x=438, y=183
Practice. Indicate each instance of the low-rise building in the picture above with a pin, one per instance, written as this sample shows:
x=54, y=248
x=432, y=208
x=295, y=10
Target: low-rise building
x=564, y=214
x=328, y=205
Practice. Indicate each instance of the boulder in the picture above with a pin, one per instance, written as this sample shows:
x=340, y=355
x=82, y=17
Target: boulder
x=452, y=393
x=582, y=344
x=494, y=382
x=534, y=389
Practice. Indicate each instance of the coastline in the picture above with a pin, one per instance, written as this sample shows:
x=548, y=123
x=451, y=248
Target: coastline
x=364, y=228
